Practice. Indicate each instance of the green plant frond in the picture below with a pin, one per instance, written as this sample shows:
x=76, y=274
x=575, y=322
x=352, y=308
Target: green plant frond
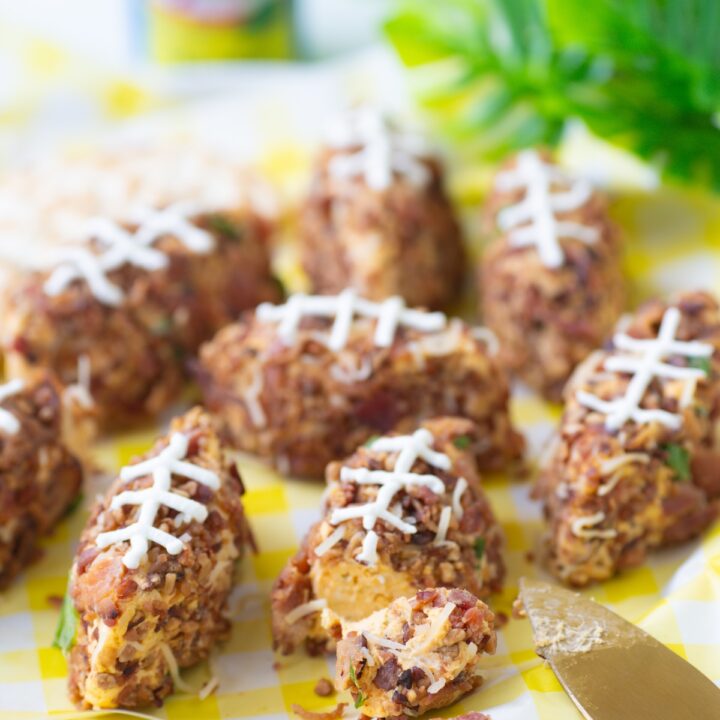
x=643, y=74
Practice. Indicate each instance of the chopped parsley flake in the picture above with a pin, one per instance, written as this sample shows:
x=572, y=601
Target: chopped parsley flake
x=67, y=625
x=75, y=503
x=360, y=699
x=462, y=442
x=701, y=363
x=678, y=458
x=162, y=326
x=479, y=548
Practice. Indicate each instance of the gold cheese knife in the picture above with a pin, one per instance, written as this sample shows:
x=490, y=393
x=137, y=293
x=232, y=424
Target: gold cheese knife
x=611, y=669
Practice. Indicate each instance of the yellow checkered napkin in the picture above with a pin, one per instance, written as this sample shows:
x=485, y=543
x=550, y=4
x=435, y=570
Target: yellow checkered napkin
x=674, y=243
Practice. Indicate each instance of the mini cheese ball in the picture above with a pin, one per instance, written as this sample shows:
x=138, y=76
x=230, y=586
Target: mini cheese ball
x=306, y=382
x=40, y=470
x=550, y=281
x=417, y=654
x=134, y=301
x=377, y=217
x=151, y=601
x=394, y=522
x=623, y=477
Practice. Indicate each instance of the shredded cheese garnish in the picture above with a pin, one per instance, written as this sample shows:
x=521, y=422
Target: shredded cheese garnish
x=377, y=150
x=584, y=527
x=435, y=630
x=80, y=390
x=443, y=525
x=125, y=248
x=607, y=467
x=390, y=314
x=532, y=221
x=251, y=396
x=410, y=448
x=174, y=670
x=384, y=642
x=330, y=541
x=308, y=608
x=488, y=337
x=436, y=687
x=460, y=487
x=614, y=468
x=609, y=486
x=8, y=422
x=104, y=633
x=645, y=361
x=367, y=655
x=162, y=467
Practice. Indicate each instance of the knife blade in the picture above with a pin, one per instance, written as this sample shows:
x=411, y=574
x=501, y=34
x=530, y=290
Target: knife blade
x=611, y=669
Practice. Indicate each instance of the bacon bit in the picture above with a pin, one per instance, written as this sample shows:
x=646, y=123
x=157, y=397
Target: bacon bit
x=55, y=601
x=324, y=688
x=705, y=467
x=530, y=556
x=501, y=619
x=108, y=612
x=194, y=443
x=127, y=588
x=170, y=580
x=98, y=584
x=334, y=714
x=462, y=598
x=387, y=675
x=86, y=557
x=518, y=609
x=277, y=666
x=424, y=597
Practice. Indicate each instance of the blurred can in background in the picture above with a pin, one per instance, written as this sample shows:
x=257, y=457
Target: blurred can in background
x=191, y=30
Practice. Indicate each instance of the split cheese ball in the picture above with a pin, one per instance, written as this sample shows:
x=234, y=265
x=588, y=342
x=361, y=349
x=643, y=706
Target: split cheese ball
x=305, y=383
x=40, y=470
x=135, y=300
x=635, y=462
x=551, y=282
x=377, y=217
x=417, y=654
x=154, y=569
x=403, y=513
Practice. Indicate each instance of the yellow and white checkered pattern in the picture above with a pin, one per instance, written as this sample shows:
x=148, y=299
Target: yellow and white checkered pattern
x=673, y=242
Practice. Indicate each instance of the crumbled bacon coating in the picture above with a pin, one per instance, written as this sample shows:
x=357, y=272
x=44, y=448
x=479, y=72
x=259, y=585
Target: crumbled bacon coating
x=549, y=319
x=302, y=406
x=130, y=619
x=137, y=350
x=406, y=562
x=429, y=660
x=646, y=503
x=404, y=240
x=40, y=476
x=323, y=688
